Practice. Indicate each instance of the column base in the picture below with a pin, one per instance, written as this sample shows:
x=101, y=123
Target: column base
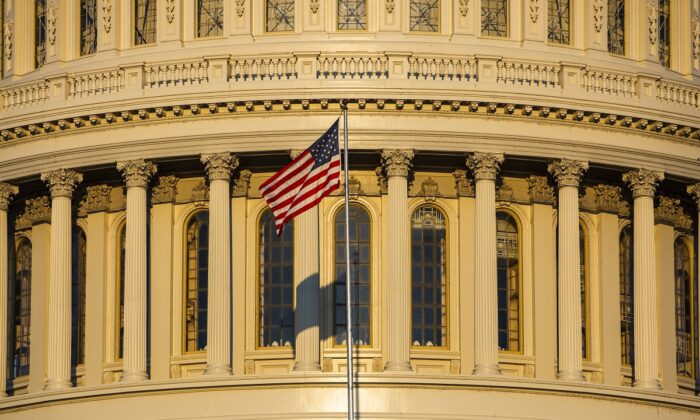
x=571, y=375
x=134, y=376
x=487, y=370
x=53, y=384
x=306, y=367
x=398, y=367
x=649, y=384
x=220, y=370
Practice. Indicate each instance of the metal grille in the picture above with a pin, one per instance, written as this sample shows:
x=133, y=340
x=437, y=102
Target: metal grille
x=558, y=24
x=494, y=18
x=279, y=15
x=360, y=246
x=425, y=15
x=626, y=298
x=196, y=282
x=22, y=293
x=429, y=277
x=352, y=14
x=508, y=266
x=584, y=292
x=276, y=284
x=39, y=33
x=88, y=27
x=684, y=310
x=120, y=289
x=665, y=32
x=210, y=18
x=78, y=280
x=144, y=22
x=616, y=26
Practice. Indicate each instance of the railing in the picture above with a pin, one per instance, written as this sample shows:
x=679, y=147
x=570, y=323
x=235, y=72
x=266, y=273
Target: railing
x=352, y=67
x=30, y=94
x=273, y=68
x=89, y=84
x=528, y=73
x=434, y=68
x=176, y=74
x=610, y=83
x=677, y=93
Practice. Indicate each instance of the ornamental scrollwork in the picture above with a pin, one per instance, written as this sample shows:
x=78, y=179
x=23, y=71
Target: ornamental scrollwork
x=463, y=185
x=314, y=6
x=240, y=8
x=464, y=7
x=485, y=166
x=242, y=184
x=354, y=187
x=200, y=194
x=504, y=192
x=38, y=210
x=667, y=210
x=598, y=15
x=166, y=190
x=51, y=13
x=389, y=6
x=62, y=182
x=397, y=162
x=694, y=191
x=653, y=20
x=137, y=173
x=7, y=33
x=539, y=189
x=642, y=182
x=607, y=197
x=170, y=10
x=695, y=27
x=430, y=189
x=220, y=165
x=7, y=191
x=107, y=15
x=567, y=173
x=97, y=198
x=534, y=10
x=382, y=181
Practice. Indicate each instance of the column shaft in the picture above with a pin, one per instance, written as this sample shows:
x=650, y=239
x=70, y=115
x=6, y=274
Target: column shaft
x=306, y=311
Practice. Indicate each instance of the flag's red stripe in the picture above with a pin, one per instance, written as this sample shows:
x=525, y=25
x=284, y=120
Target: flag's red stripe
x=309, y=187
x=313, y=197
x=282, y=171
x=325, y=192
x=278, y=180
x=276, y=197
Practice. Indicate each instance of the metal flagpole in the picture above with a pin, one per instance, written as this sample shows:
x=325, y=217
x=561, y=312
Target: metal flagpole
x=348, y=282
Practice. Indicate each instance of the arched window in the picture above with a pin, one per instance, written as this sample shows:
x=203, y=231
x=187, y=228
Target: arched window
x=585, y=305
x=494, y=18
x=21, y=307
x=684, y=309
x=429, y=277
x=424, y=15
x=616, y=27
x=360, y=269
x=88, y=27
x=508, y=263
x=210, y=18
x=196, y=281
x=558, y=24
x=626, y=297
x=119, y=316
x=145, y=22
x=275, y=283
x=78, y=284
x=665, y=32
x=279, y=15
x=352, y=15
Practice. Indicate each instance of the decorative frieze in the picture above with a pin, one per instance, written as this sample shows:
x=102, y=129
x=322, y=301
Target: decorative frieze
x=694, y=191
x=166, y=190
x=354, y=188
x=240, y=8
x=389, y=6
x=667, y=210
x=62, y=182
x=464, y=7
x=430, y=190
x=242, y=185
x=567, y=173
x=170, y=10
x=137, y=173
x=51, y=14
x=314, y=5
x=485, y=165
x=642, y=182
x=598, y=15
x=107, y=15
x=97, y=198
x=7, y=191
x=7, y=34
x=219, y=165
x=504, y=192
x=539, y=189
x=695, y=36
x=653, y=18
x=397, y=162
x=607, y=198
x=37, y=210
x=382, y=181
x=463, y=184
x=534, y=10
x=200, y=194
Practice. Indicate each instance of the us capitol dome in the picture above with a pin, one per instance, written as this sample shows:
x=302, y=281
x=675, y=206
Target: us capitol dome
x=524, y=198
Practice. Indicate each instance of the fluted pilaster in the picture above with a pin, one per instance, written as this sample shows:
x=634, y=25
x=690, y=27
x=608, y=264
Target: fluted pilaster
x=7, y=191
x=219, y=167
x=643, y=184
x=485, y=167
x=568, y=174
x=396, y=165
x=137, y=174
x=61, y=182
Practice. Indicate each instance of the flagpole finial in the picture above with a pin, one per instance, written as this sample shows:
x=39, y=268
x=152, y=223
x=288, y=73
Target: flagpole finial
x=343, y=104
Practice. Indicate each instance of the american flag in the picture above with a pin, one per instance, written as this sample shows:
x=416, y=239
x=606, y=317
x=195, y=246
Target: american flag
x=308, y=178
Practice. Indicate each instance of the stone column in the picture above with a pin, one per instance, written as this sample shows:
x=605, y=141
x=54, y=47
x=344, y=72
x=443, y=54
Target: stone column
x=397, y=164
x=568, y=174
x=219, y=167
x=485, y=167
x=643, y=184
x=137, y=174
x=6, y=193
x=61, y=182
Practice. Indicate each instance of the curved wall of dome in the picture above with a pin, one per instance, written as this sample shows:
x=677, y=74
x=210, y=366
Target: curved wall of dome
x=524, y=185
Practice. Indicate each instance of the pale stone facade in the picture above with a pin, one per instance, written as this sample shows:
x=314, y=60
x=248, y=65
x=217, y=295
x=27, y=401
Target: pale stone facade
x=554, y=153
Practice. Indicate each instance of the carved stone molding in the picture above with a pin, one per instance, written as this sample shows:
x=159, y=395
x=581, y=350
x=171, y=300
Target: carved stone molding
x=219, y=165
x=642, y=182
x=137, y=173
x=598, y=15
x=382, y=180
x=200, y=194
x=485, y=165
x=567, y=173
x=539, y=189
x=607, y=198
x=166, y=190
x=430, y=190
x=653, y=19
x=684, y=222
x=240, y=7
x=389, y=6
x=107, y=15
x=62, y=182
x=51, y=14
x=667, y=210
x=9, y=26
x=314, y=5
x=463, y=184
x=464, y=7
x=7, y=191
x=354, y=187
x=694, y=191
x=38, y=210
x=504, y=192
x=97, y=198
x=534, y=10
x=695, y=36
x=170, y=10
x=397, y=162
x=242, y=184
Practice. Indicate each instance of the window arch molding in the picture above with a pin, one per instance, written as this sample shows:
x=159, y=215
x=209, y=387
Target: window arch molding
x=19, y=316
x=688, y=242
x=589, y=229
x=518, y=216
x=114, y=230
x=189, y=216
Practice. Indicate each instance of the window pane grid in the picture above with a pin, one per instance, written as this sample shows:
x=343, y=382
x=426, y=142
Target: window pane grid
x=360, y=247
x=494, y=18
x=197, y=282
x=88, y=27
x=79, y=278
x=210, y=18
x=352, y=14
x=40, y=33
x=22, y=308
x=584, y=292
x=626, y=298
x=684, y=310
x=558, y=25
x=429, y=277
x=425, y=15
x=280, y=15
x=144, y=22
x=508, y=288
x=276, y=284
x=665, y=32
x=120, y=289
x=616, y=26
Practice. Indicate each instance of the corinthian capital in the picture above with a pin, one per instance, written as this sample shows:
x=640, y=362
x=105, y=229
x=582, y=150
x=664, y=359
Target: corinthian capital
x=397, y=162
x=568, y=173
x=694, y=190
x=137, y=173
x=485, y=166
x=220, y=165
x=62, y=182
x=6, y=193
x=642, y=182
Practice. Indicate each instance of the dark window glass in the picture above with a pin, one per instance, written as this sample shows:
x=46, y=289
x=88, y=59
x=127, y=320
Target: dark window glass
x=121, y=246
x=144, y=22
x=88, y=27
x=494, y=18
x=626, y=297
x=21, y=310
x=558, y=24
x=425, y=15
x=279, y=15
x=210, y=18
x=352, y=14
x=665, y=32
x=39, y=33
x=78, y=284
x=508, y=263
x=360, y=269
x=584, y=291
x=276, y=283
x=616, y=26
x=684, y=309
x=196, y=282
